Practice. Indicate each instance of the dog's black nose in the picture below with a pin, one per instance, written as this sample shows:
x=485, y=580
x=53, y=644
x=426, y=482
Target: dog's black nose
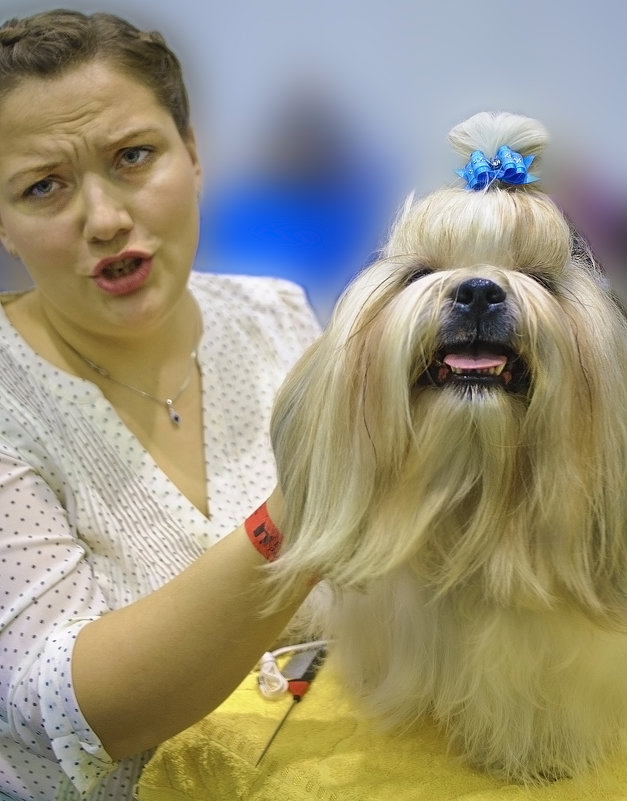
x=477, y=295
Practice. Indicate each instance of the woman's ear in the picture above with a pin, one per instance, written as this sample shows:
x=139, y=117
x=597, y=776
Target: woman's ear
x=190, y=143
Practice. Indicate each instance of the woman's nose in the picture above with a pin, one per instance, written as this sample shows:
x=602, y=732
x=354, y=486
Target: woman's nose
x=105, y=210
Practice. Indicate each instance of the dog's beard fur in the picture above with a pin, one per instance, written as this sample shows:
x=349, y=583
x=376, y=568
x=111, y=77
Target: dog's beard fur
x=471, y=528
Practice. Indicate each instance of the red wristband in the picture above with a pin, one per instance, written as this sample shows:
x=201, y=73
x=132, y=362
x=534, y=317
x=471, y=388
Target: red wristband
x=263, y=534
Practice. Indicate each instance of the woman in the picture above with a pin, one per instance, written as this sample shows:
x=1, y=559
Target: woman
x=134, y=402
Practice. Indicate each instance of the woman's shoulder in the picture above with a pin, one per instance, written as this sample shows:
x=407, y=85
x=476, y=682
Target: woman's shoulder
x=272, y=312
x=273, y=302
x=255, y=290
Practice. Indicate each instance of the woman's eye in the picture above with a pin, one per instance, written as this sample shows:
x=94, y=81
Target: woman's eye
x=42, y=188
x=135, y=156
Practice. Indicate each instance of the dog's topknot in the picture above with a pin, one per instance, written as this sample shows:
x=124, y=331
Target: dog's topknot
x=487, y=131
x=517, y=226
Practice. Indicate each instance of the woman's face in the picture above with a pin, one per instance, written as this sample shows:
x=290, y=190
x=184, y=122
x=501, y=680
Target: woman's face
x=98, y=197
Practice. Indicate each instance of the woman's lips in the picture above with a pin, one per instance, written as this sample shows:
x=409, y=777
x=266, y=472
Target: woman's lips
x=123, y=275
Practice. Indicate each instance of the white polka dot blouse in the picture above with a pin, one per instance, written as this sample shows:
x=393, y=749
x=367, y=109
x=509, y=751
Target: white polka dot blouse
x=89, y=523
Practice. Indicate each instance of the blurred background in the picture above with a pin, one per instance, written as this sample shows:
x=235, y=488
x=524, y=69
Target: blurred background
x=316, y=117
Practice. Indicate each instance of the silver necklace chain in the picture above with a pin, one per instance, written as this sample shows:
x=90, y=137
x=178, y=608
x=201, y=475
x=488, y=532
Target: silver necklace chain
x=168, y=403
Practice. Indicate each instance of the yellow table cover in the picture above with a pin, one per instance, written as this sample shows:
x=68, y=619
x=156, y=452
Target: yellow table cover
x=325, y=751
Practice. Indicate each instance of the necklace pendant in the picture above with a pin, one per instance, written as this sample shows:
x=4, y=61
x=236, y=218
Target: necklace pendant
x=175, y=417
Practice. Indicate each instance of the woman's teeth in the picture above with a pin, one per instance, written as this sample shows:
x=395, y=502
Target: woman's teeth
x=117, y=269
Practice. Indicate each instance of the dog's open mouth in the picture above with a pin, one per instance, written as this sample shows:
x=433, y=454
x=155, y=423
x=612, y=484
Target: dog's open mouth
x=482, y=366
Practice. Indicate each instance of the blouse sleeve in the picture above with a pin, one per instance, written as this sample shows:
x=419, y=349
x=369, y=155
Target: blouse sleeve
x=283, y=318
x=47, y=595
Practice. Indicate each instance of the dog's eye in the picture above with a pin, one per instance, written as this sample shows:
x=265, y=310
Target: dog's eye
x=544, y=281
x=416, y=274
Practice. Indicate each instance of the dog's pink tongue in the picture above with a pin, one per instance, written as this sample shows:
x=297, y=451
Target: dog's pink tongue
x=470, y=361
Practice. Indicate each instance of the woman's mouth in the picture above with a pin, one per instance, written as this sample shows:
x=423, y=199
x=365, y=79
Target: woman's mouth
x=122, y=276
x=117, y=269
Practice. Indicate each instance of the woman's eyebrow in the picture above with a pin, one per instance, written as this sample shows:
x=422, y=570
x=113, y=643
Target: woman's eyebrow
x=130, y=133
x=34, y=168
x=108, y=143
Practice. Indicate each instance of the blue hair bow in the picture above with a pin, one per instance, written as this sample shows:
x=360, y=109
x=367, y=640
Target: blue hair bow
x=507, y=166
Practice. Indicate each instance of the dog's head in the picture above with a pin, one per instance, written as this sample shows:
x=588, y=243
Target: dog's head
x=464, y=411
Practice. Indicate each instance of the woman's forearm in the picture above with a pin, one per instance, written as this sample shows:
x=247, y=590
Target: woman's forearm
x=147, y=671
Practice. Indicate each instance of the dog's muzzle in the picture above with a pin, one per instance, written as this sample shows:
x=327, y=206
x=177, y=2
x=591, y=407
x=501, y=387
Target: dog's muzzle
x=476, y=342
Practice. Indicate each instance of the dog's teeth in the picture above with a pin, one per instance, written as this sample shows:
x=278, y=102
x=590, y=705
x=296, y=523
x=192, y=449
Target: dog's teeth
x=478, y=371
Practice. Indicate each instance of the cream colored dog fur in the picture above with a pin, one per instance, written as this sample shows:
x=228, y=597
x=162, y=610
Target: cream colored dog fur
x=453, y=454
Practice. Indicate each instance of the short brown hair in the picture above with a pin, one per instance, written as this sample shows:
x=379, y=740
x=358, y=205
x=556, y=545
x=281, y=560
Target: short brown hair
x=49, y=43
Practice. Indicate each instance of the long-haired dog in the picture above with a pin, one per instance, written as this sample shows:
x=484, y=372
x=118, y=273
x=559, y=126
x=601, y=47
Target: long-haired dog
x=453, y=455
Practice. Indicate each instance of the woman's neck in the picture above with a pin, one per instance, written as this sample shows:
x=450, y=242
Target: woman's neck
x=143, y=357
